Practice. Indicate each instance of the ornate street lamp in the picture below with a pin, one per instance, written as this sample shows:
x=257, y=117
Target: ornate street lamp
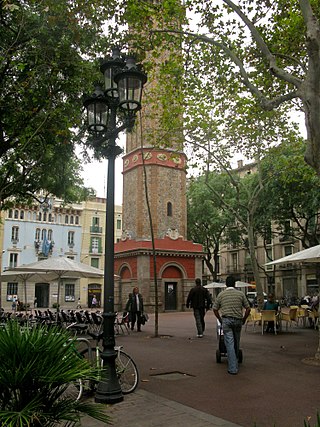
x=120, y=101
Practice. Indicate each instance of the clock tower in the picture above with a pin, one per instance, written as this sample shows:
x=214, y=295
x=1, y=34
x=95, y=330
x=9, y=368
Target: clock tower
x=155, y=204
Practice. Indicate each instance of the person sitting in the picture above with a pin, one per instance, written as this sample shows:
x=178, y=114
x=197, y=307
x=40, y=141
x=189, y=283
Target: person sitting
x=271, y=304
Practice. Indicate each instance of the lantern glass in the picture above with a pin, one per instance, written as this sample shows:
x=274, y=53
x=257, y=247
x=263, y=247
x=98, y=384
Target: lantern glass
x=97, y=116
x=130, y=91
x=111, y=88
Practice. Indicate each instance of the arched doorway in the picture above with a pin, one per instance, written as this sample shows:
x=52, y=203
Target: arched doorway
x=171, y=277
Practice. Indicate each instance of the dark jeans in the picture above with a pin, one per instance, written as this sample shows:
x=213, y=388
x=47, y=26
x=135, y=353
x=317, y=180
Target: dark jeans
x=199, y=314
x=135, y=317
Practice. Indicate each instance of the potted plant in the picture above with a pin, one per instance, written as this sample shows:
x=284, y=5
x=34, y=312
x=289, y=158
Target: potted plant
x=36, y=366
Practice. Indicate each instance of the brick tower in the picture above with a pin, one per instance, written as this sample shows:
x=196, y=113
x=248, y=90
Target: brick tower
x=158, y=170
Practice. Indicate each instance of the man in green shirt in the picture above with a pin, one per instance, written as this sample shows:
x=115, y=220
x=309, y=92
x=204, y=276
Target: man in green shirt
x=228, y=308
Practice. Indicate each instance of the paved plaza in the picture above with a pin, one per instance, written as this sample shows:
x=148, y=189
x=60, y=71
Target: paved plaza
x=182, y=385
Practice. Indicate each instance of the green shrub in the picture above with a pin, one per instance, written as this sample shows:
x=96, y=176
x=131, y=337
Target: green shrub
x=307, y=423
x=36, y=366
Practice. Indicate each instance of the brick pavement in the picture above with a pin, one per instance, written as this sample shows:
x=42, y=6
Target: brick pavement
x=180, y=379
x=145, y=409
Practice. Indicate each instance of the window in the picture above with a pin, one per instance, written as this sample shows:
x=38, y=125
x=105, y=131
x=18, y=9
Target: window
x=44, y=216
x=118, y=224
x=50, y=217
x=16, y=214
x=10, y=214
x=234, y=261
x=70, y=238
x=49, y=234
x=40, y=216
x=95, y=221
x=95, y=245
x=13, y=260
x=43, y=234
x=21, y=214
x=269, y=258
x=12, y=290
x=77, y=220
x=95, y=262
x=66, y=219
x=71, y=219
x=287, y=250
x=169, y=209
x=69, y=292
x=15, y=234
x=37, y=235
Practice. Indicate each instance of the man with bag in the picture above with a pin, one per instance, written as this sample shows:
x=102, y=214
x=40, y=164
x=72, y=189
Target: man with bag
x=199, y=299
x=135, y=308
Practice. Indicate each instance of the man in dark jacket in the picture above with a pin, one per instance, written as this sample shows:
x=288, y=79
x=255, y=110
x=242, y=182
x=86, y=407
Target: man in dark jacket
x=200, y=300
x=135, y=308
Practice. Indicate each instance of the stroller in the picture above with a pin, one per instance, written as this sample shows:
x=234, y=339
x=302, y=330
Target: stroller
x=222, y=350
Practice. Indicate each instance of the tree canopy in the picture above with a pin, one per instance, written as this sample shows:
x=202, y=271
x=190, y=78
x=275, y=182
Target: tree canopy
x=47, y=52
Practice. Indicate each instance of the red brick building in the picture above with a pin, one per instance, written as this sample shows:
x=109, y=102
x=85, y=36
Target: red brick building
x=178, y=261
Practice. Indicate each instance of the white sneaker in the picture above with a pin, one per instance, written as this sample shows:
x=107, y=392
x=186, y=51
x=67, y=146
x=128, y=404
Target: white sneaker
x=199, y=336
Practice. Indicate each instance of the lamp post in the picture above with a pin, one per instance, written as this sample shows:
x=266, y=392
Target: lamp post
x=119, y=102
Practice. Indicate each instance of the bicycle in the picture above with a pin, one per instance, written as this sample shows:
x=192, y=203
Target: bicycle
x=126, y=369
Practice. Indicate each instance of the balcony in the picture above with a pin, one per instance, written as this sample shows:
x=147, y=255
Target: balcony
x=95, y=229
x=232, y=269
x=287, y=266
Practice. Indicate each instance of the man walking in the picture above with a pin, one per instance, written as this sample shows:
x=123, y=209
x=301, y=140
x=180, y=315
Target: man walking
x=228, y=308
x=200, y=300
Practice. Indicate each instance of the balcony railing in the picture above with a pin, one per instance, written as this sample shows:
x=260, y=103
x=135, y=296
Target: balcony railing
x=95, y=229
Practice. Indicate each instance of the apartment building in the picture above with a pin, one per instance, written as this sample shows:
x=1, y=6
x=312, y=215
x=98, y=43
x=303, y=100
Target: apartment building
x=51, y=228
x=287, y=280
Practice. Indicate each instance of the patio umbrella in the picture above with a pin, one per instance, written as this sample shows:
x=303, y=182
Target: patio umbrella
x=240, y=284
x=306, y=255
x=214, y=285
x=24, y=277
x=59, y=267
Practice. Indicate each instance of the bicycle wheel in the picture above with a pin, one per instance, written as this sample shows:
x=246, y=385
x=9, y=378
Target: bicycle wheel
x=90, y=386
x=73, y=391
x=127, y=372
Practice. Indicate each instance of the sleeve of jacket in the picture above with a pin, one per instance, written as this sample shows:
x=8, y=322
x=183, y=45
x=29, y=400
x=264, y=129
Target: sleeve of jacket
x=209, y=300
x=188, y=303
x=128, y=305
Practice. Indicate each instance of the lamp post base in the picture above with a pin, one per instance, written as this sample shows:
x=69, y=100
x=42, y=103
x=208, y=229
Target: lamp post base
x=108, y=390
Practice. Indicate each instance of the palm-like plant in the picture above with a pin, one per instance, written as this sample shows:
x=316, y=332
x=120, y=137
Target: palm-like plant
x=36, y=366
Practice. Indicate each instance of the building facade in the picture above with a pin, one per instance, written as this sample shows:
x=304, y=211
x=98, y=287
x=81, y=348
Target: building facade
x=287, y=281
x=50, y=229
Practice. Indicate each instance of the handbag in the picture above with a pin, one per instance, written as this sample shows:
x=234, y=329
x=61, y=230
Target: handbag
x=144, y=318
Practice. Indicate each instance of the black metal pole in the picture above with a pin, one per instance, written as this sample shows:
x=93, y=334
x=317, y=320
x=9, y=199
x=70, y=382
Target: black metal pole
x=109, y=390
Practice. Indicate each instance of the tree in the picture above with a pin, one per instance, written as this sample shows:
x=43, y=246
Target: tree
x=207, y=221
x=47, y=50
x=291, y=192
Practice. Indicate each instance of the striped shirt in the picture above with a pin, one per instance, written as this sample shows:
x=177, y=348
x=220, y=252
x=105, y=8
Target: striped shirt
x=231, y=302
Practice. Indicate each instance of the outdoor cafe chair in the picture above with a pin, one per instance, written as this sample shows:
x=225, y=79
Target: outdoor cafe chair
x=121, y=323
x=269, y=316
x=314, y=317
x=289, y=317
x=302, y=315
x=253, y=318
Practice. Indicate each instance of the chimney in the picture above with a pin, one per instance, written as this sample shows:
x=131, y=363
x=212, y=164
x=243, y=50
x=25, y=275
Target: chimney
x=240, y=164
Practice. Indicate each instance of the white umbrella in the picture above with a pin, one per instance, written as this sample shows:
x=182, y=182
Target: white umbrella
x=61, y=267
x=240, y=284
x=306, y=255
x=215, y=285
x=24, y=277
